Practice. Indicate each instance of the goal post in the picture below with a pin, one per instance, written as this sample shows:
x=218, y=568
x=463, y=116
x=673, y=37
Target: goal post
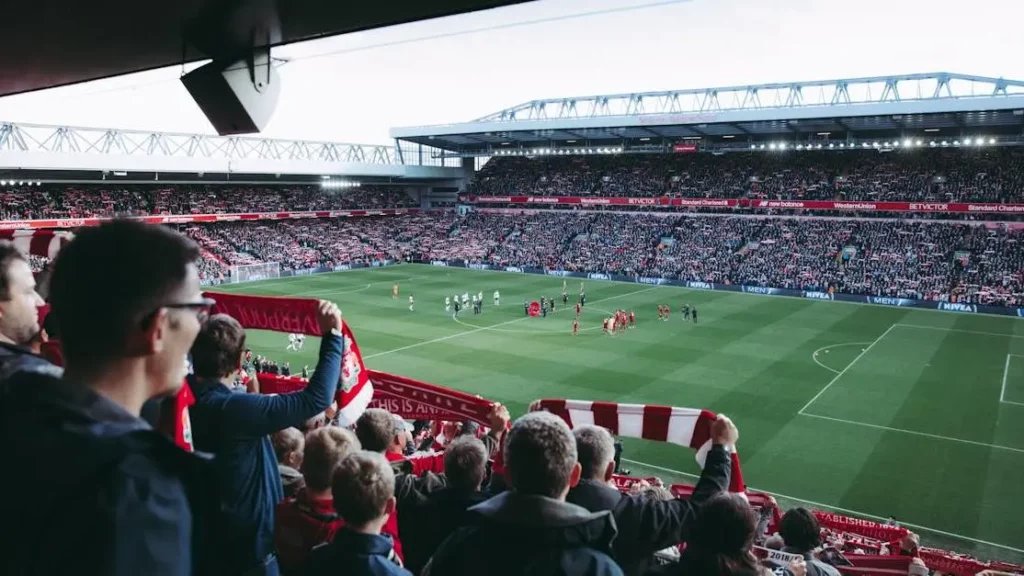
x=254, y=272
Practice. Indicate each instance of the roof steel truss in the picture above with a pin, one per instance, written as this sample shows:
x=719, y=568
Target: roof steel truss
x=872, y=90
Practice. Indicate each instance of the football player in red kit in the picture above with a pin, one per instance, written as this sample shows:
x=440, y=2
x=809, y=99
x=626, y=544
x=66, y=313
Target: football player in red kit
x=668, y=313
x=632, y=319
x=579, y=308
x=575, y=326
x=660, y=311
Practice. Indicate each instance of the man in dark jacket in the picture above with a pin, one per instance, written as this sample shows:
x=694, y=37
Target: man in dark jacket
x=236, y=428
x=531, y=529
x=19, y=311
x=645, y=525
x=128, y=300
x=433, y=506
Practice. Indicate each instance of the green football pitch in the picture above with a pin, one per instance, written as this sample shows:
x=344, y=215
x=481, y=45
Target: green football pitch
x=866, y=410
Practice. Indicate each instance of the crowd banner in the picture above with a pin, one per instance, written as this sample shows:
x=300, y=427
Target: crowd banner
x=756, y=204
x=411, y=399
x=198, y=218
x=961, y=307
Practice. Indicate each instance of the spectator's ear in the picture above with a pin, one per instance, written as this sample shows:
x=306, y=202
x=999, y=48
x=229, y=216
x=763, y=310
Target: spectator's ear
x=574, y=476
x=609, y=471
x=154, y=333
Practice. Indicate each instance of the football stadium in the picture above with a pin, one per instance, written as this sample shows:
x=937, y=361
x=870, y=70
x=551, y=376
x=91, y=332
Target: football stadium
x=836, y=267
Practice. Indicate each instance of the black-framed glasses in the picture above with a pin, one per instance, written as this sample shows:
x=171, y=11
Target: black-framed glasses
x=201, y=308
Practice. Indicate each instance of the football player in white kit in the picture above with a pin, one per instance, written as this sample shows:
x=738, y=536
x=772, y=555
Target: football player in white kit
x=292, y=342
x=465, y=299
x=300, y=340
x=497, y=297
x=411, y=302
x=447, y=304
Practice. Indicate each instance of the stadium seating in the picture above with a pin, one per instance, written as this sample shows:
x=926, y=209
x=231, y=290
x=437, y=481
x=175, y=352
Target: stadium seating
x=993, y=175
x=84, y=201
x=982, y=264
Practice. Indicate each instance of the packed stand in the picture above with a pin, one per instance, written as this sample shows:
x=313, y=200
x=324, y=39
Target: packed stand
x=992, y=175
x=107, y=200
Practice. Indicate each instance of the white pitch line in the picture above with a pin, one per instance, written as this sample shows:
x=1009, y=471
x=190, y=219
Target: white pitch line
x=838, y=509
x=481, y=329
x=916, y=433
x=943, y=328
x=1006, y=372
x=848, y=366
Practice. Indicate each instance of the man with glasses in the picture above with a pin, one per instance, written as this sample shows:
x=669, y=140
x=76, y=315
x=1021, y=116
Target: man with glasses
x=236, y=428
x=128, y=305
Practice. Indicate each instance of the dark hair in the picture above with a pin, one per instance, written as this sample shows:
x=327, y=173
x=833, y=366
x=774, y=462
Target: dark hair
x=8, y=253
x=217, y=349
x=720, y=541
x=375, y=429
x=465, y=463
x=108, y=279
x=540, y=453
x=595, y=449
x=799, y=529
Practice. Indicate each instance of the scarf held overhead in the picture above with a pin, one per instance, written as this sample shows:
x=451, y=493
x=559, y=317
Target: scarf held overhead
x=299, y=316
x=684, y=426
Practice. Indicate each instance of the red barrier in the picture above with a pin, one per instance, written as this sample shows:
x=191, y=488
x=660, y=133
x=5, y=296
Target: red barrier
x=837, y=205
x=199, y=218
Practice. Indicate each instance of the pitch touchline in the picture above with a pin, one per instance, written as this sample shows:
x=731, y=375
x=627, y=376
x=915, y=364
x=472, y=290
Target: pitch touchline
x=915, y=432
x=838, y=509
x=848, y=366
x=456, y=335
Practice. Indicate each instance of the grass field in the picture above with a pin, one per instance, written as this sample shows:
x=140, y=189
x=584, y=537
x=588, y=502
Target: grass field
x=867, y=410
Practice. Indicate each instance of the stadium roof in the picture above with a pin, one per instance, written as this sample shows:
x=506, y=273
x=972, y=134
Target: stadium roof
x=34, y=152
x=942, y=104
x=49, y=44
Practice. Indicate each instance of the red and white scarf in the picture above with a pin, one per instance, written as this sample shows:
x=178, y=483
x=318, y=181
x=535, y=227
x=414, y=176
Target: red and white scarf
x=689, y=427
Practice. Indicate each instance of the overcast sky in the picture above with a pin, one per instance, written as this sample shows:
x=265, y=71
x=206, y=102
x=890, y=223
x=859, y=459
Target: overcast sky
x=353, y=88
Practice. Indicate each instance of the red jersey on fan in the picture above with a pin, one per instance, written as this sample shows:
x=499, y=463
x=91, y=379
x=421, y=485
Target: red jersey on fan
x=174, y=420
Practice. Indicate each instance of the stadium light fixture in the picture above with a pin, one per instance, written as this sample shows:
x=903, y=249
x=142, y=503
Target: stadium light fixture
x=956, y=142
x=773, y=146
x=762, y=146
x=907, y=143
x=945, y=143
x=800, y=146
x=876, y=144
x=753, y=146
x=895, y=143
x=991, y=140
x=979, y=141
x=830, y=145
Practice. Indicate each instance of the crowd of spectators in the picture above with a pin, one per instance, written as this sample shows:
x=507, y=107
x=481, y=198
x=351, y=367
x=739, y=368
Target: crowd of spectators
x=108, y=199
x=973, y=263
x=985, y=175
x=177, y=471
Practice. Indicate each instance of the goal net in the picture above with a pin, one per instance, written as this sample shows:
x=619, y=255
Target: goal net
x=253, y=272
